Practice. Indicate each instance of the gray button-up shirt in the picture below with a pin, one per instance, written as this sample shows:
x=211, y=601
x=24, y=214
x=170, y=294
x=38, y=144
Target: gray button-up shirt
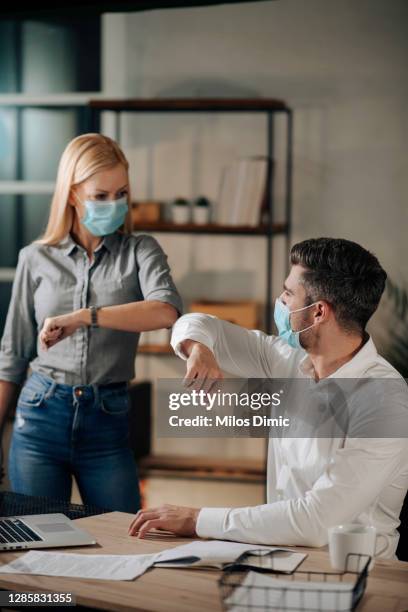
x=56, y=280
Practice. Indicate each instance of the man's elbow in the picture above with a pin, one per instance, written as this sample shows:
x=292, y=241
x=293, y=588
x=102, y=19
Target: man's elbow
x=309, y=522
x=306, y=537
x=316, y=540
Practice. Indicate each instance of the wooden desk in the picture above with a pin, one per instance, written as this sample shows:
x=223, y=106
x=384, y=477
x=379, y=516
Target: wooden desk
x=176, y=590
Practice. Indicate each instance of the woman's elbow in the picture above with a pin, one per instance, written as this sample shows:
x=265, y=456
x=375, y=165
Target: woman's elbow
x=169, y=315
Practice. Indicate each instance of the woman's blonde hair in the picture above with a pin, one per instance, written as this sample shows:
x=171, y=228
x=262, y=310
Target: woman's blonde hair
x=84, y=156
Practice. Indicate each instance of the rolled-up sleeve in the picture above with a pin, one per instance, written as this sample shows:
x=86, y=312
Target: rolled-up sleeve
x=18, y=344
x=248, y=353
x=155, y=279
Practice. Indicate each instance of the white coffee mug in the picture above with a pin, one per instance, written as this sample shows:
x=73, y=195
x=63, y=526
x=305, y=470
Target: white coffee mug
x=353, y=539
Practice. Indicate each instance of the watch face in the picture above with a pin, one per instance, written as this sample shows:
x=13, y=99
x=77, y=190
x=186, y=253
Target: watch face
x=94, y=322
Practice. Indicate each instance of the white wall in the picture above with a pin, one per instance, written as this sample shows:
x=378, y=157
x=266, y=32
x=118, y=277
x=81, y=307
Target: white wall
x=342, y=66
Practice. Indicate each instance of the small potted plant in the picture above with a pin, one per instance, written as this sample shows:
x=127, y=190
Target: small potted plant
x=180, y=211
x=201, y=211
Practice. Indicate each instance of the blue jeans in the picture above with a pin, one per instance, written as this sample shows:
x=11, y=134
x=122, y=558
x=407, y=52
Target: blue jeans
x=62, y=430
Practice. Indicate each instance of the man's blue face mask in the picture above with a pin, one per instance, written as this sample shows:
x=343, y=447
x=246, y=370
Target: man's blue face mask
x=282, y=320
x=102, y=218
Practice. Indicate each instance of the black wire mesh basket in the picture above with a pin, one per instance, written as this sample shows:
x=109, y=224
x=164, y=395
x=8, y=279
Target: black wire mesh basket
x=251, y=584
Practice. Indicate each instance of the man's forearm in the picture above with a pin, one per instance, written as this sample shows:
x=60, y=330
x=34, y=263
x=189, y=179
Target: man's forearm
x=193, y=330
x=188, y=345
x=237, y=350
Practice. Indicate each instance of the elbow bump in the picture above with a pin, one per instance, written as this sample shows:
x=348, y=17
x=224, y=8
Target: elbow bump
x=171, y=314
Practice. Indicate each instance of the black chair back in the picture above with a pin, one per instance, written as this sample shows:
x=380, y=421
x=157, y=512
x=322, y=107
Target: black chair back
x=402, y=550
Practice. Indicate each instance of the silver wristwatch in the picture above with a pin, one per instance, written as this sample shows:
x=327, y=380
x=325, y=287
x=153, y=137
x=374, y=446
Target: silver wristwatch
x=94, y=316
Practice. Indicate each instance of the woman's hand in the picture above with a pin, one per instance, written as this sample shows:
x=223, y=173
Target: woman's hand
x=58, y=328
x=202, y=368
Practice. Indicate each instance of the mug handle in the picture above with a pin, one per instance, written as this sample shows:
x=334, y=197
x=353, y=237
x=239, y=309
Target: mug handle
x=384, y=548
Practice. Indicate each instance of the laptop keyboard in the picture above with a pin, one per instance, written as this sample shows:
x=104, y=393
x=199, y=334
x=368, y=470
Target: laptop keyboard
x=14, y=530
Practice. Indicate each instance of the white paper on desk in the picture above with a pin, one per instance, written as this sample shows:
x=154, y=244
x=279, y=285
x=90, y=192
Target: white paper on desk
x=103, y=567
x=216, y=553
x=260, y=591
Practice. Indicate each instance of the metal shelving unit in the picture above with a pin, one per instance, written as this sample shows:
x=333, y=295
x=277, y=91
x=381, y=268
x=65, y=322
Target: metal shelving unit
x=19, y=187
x=268, y=107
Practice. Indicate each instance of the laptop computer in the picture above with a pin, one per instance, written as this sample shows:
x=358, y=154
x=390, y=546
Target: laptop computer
x=41, y=531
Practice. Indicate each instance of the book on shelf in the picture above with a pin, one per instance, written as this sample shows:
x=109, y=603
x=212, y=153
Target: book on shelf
x=242, y=193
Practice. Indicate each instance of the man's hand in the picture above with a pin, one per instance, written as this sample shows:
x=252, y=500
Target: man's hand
x=56, y=329
x=202, y=367
x=177, y=519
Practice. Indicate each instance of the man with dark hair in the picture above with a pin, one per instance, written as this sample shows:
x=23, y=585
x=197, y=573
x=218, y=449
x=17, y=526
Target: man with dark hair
x=333, y=288
x=343, y=274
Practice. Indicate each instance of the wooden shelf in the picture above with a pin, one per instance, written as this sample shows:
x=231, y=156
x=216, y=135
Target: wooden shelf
x=26, y=187
x=155, y=349
x=67, y=99
x=268, y=107
x=7, y=274
x=211, y=228
x=191, y=104
x=242, y=470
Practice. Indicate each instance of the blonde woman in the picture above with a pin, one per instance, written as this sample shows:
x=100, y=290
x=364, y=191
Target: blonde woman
x=81, y=296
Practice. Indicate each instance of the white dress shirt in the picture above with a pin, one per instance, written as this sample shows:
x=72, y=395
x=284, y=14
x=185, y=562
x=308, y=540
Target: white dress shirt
x=312, y=483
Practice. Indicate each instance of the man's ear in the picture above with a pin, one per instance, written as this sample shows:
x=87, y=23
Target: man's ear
x=324, y=310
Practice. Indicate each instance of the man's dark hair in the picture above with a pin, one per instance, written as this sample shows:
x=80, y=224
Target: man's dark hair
x=343, y=274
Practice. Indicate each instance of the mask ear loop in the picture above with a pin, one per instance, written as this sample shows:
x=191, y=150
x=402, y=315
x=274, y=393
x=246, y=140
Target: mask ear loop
x=304, y=307
x=306, y=328
x=297, y=310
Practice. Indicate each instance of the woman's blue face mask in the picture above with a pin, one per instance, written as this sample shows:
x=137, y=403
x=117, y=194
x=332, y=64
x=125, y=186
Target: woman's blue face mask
x=102, y=218
x=282, y=320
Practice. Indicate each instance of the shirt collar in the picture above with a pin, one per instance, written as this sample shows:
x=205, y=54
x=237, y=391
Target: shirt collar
x=68, y=244
x=353, y=368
